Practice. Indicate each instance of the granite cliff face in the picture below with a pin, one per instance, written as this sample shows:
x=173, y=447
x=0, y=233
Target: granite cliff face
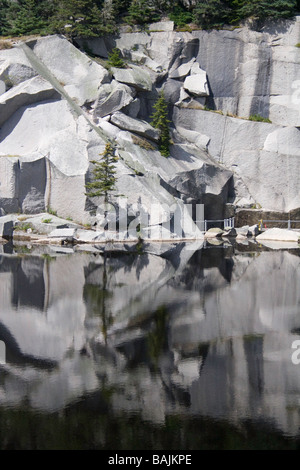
x=59, y=107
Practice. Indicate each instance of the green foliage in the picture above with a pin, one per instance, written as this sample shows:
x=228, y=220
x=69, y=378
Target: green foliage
x=141, y=12
x=3, y=17
x=47, y=221
x=24, y=227
x=81, y=18
x=143, y=143
x=52, y=211
x=115, y=59
x=298, y=44
x=161, y=122
x=92, y=18
x=104, y=175
x=265, y=8
x=27, y=17
x=211, y=13
x=258, y=118
x=180, y=16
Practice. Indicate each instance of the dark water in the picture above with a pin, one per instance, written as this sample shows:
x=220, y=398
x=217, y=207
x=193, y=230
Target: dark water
x=130, y=350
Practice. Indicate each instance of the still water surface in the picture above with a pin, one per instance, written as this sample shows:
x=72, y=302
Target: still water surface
x=131, y=350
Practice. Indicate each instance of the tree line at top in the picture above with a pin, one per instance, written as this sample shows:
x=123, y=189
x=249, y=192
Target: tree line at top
x=87, y=18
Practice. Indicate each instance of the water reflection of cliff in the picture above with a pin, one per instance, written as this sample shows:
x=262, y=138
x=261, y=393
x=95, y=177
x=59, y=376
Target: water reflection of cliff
x=204, y=332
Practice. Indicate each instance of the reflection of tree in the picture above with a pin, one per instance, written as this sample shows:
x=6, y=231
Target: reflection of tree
x=138, y=263
x=157, y=338
x=97, y=295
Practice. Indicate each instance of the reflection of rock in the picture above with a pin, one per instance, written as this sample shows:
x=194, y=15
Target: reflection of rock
x=218, y=328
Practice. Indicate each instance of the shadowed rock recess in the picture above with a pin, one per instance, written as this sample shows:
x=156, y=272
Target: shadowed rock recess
x=59, y=107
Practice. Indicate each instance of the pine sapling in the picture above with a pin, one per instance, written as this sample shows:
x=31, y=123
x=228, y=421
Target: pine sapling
x=161, y=122
x=104, y=175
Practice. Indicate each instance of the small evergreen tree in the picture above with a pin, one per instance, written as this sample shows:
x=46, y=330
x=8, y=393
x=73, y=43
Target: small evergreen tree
x=115, y=59
x=161, y=122
x=104, y=175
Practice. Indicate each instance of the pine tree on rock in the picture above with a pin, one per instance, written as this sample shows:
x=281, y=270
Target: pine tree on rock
x=161, y=122
x=104, y=175
x=115, y=59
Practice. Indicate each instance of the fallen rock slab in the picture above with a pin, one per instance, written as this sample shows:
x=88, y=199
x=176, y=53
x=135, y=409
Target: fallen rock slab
x=31, y=91
x=112, y=98
x=197, y=82
x=279, y=234
x=182, y=71
x=134, y=125
x=86, y=236
x=243, y=231
x=278, y=245
x=135, y=76
x=67, y=233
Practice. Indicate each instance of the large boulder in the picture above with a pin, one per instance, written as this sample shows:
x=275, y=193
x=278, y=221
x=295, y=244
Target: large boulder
x=80, y=76
x=134, y=76
x=14, y=68
x=196, y=84
x=161, y=26
x=200, y=140
x=182, y=71
x=112, y=98
x=172, y=91
x=279, y=234
x=28, y=92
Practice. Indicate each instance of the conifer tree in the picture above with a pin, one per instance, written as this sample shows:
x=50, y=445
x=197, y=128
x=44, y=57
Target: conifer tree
x=79, y=18
x=266, y=8
x=211, y=13
x=28, y=17
x=161, y=122
x=3, y=17
x=104, y=175
x=141, y=12
x=115, y=59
